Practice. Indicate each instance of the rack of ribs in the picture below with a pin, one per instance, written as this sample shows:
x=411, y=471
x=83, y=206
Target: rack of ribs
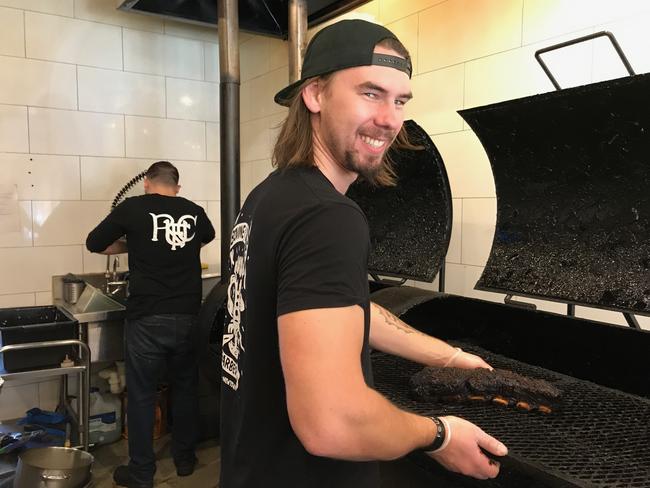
x=499, y=386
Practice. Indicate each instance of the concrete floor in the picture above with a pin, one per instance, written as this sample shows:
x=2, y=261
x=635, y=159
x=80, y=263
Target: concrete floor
x=206, y=474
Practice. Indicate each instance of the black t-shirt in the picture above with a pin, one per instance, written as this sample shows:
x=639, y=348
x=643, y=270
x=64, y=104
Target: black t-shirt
x=164, y=236
x=298, y=244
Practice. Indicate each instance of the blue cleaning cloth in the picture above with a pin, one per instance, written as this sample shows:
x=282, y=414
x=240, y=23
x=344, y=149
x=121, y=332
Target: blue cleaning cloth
x=42, y=417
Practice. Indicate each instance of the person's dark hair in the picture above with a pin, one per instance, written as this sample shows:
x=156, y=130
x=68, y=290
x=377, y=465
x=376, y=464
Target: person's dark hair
x=294, y=146
x=163, y=173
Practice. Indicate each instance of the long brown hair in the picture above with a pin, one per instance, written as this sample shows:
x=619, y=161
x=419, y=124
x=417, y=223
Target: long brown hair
x=294, y=146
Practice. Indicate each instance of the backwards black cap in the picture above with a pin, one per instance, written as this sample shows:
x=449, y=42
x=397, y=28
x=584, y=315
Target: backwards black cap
x=342, y=45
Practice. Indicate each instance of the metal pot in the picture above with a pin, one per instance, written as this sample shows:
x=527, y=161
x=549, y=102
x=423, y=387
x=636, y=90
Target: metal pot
x=53, y=467
x=72, y=289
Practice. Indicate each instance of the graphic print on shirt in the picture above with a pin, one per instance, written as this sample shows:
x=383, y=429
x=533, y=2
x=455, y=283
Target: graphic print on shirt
x=176, y=232
x=232, y=345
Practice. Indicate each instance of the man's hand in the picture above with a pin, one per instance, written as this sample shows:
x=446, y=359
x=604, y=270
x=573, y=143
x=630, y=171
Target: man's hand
x=465, y=360
x=463, y=454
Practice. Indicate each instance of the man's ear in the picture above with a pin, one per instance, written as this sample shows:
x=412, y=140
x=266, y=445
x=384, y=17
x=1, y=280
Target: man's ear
x=146, y=184
x=311, y=96
x=178, y=188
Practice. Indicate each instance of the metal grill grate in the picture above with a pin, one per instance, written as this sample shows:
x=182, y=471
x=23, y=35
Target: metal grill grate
x=598, y=438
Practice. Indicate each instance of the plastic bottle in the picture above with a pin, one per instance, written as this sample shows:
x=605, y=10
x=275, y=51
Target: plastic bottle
x=105, y=421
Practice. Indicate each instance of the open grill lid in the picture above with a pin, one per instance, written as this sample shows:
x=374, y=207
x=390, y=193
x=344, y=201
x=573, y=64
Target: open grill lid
x=410, y=223
x=571, y=170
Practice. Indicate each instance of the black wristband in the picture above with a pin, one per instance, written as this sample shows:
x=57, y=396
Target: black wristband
x=439, y=439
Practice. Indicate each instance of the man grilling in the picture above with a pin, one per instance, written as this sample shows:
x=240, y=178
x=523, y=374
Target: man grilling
x=298, y=408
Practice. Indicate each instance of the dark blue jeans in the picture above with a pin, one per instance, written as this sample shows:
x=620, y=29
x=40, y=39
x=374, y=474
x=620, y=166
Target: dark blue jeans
x=151, y=344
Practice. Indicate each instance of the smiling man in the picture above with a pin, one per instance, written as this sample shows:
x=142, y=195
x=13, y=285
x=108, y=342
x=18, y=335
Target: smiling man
x=298, y=407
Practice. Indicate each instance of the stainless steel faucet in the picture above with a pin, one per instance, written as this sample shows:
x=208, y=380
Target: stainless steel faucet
x=114, y=285
x=116, y=264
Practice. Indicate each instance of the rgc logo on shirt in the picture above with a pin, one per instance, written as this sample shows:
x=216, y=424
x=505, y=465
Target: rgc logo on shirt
x=176, y=232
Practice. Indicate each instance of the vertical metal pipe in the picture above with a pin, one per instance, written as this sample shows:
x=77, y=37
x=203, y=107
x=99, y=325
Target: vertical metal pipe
x=228, y=26
x=297, y=37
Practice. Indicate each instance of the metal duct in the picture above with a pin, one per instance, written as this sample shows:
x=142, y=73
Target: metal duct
x=228, y=27
x=297, y=37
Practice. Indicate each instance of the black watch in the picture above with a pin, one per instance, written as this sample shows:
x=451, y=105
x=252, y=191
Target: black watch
x=439, y=439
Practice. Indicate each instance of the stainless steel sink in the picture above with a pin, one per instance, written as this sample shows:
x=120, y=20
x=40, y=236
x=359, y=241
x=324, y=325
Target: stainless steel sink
x=114, y=287
x=101, y=316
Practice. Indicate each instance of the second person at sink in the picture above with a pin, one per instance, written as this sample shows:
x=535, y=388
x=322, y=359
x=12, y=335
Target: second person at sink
x=164, y=234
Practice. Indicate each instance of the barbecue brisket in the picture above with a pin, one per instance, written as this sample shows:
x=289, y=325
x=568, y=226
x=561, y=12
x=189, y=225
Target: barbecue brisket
x=499, y=386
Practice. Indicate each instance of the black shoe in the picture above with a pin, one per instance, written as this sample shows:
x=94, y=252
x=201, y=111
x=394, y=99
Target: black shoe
x=122, y=477
x=186, y=467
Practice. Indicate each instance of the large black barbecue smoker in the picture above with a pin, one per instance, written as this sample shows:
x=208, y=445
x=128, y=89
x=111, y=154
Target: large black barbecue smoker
x=571, y=170
x=573, y=225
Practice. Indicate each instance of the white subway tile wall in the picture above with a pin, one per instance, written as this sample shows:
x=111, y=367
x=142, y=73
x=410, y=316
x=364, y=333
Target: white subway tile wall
x=157, y=138
x=71, y=132
x=57, y=7
x=72, y=41
x=13, y=129
x=119, y=92
x=90, y=96
x=12, y=32
x=40, y=176
x=192, y=100
x=37, y=83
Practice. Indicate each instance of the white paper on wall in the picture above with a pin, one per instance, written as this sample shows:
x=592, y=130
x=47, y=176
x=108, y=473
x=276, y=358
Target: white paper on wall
x=9, y=210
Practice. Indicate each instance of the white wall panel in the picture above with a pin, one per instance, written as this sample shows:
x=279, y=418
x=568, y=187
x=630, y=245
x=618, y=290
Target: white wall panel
x=102, y=90
x=460, y=30
x=468, y=167
x=19, y=300
x=66, y=222
x=41, y=177
x=40, y=83
x=199, y=180
x=30, y=269
x=102, y=178
x=68, y=132
x=198, y=32
x=58, y=7
x=16, y=228
x=213, y=141
x=165, y=138
x=436, y=98
x=479, y=220
x=193, y=100
x=74, y=41
x=13, y=129
x=12, y=32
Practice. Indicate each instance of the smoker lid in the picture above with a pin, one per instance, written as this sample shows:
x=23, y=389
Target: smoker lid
x=571, y=170
x=410, y=223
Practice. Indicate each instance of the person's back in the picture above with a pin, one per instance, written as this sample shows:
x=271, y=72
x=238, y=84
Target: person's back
x=164, y=253
x=293, y=214
x=164, y=234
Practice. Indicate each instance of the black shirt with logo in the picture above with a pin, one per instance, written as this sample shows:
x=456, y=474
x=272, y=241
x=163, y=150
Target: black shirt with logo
x=298, y=244
x=164, y=236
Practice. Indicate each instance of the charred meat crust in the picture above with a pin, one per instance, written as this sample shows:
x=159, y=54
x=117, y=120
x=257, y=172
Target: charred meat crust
x=499, y=386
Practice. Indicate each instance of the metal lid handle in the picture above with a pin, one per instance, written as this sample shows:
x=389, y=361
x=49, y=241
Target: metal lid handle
x=577, y=40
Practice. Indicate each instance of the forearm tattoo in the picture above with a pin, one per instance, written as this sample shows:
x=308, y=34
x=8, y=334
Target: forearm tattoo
x=392, y=320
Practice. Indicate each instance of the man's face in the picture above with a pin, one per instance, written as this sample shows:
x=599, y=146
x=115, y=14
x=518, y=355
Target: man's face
x=361, y=112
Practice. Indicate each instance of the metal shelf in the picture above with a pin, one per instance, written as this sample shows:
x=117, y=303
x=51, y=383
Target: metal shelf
x=39, y=373
x=84, y=378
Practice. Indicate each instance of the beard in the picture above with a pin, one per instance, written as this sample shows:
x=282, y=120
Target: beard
x=367, y=171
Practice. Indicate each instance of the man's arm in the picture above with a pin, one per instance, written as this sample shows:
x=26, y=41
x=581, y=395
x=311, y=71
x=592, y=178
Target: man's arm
x=390, y=334
x=118, y=247
x=106, y=237
x=335, y=414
